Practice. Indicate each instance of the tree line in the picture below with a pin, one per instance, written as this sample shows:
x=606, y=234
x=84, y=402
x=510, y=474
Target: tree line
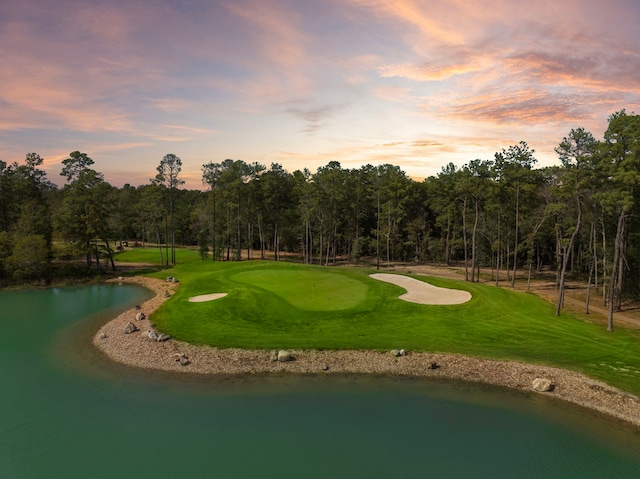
x=502, y=216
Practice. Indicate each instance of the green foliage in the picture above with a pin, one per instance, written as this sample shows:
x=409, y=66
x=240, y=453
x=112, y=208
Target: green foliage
x=203, y=247
x=34, y=219
x=498, y=212
x=75, y=166
x=29, y=259
x=6, y=246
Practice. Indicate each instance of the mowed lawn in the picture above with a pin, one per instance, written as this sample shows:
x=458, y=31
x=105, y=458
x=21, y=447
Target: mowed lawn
x=284, y=305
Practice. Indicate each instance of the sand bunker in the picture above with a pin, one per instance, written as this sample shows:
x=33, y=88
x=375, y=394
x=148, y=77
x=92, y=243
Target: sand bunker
x=424, y=293
x=206, y=297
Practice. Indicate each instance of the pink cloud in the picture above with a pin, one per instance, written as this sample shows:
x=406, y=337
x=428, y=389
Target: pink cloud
x=278, y=37
x=432, y=72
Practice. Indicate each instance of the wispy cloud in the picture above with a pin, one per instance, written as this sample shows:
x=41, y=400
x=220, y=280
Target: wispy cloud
x=359, y=81
x=522, y=106
x=427, y=72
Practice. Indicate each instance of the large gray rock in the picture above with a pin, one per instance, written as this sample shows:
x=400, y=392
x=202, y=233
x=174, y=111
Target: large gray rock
x=284, y=356
x=182, y=359
x=542, y=385
x=163, y=337
x=130, y=328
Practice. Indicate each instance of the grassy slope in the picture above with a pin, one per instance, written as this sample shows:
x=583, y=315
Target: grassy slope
x=260, y=312
x=152, y=255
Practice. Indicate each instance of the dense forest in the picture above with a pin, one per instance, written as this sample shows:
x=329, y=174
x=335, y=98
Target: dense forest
x=578, y=219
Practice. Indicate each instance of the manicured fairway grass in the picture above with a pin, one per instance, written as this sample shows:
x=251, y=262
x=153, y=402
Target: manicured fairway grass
x=307, y=290
x=275, y=305
x=151, y=255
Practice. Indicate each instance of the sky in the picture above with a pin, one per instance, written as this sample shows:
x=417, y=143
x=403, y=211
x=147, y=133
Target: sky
x=413, y=83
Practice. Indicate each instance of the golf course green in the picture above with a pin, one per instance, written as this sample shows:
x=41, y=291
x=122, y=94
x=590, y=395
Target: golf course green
x=307, y=290
x=271, y=305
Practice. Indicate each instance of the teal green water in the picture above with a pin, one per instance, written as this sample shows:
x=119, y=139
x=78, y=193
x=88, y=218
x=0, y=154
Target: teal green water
x=66, y=412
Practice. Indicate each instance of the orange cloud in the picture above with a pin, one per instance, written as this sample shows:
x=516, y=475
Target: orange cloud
x=427, y=72
x=521, y=106
x=432, y=20
x=583, y=69
x=277, y=36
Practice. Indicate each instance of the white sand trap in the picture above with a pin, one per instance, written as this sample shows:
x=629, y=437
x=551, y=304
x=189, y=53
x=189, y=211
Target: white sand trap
x=206, y=297
x=423, y=293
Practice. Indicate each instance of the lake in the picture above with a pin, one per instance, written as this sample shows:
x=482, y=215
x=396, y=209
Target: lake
x=65, y=411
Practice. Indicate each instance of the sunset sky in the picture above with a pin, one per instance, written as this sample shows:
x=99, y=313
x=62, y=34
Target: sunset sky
x=301, y=82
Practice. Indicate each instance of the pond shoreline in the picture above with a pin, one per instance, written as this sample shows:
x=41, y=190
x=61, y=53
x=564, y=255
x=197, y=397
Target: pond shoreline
x=137, y=350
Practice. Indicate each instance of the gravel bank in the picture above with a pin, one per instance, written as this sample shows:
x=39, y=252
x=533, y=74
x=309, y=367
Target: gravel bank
x=138, y=350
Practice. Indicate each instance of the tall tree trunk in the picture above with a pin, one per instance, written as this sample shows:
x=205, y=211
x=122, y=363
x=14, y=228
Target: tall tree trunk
x=249, y=235
x=389, y=238
x=515, y=243
x=446, y=242
x=588, y=298
x=532, y=247
x=307, y=241
x=173, y=245
x=620, y=272
x=167, y=240
x=378, y=233
x=110, y=253
x=335, y=243
x=260, y=236
x=464, y=239
x=474, y=253
x=326, y=258
x=498, y=251
x=239, y=239
x=276, y=238
x=95, y=244
x=213, y=230
x=558, y=256
x=88, y=257
x=604, y=262
x=227, y=234
x=356, y=250
x=614, y=286
x=592, y=266
x=159, y=244
x=565, y=258
x=172, y=236
x=507, y=256
x=595, y=257
x=321, y=241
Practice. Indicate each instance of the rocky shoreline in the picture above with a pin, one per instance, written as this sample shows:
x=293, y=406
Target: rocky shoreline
x=137, y=349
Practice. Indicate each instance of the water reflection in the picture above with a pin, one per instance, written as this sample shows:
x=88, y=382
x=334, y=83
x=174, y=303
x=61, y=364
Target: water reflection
x=68, y=411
